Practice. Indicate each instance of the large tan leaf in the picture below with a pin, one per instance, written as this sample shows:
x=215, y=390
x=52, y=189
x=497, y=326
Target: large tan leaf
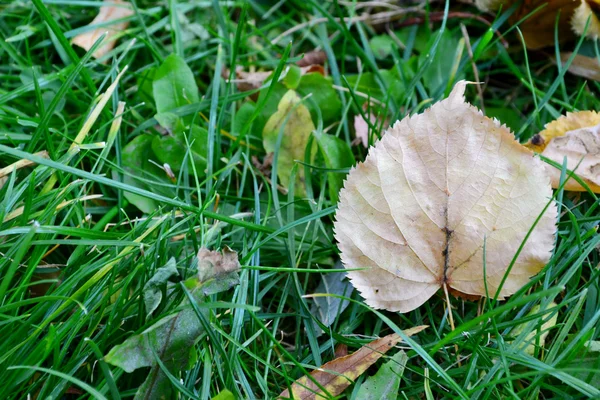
x=415, y=214
x=338, y=374
x=113, y=10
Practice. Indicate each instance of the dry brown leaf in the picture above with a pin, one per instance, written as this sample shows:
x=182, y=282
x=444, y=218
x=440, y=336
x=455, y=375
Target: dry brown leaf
x=416, y=213
x=252, y=80
x=538, y=29
x=587, y=67
x=338, y=374
x=112, y=11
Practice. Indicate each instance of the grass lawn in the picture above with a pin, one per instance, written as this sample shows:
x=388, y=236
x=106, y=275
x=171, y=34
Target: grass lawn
x=99, y=239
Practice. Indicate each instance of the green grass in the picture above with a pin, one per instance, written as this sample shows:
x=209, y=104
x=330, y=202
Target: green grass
x=72, y=274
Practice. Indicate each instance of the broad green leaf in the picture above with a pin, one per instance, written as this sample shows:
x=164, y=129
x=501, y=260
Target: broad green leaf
x=135, y=162
x=292, y=120
x=171, y=149
x=336, y=154
x=392, y=80
x=153, y=288
x=436, y=74
x=145, y=82
x=328, y=308
x=506, y=115
x=174, y=85
x=385, y=383
x=323, y=96
x=382, y=46
x=242, y=117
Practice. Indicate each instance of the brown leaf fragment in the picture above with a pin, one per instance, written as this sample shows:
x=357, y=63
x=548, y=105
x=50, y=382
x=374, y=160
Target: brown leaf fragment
x=336, y=375
x=587, y=9
x=214, y=264
x=561, y=126
x=438, y=185
x=586, y=67
x=252, y=80
x=312, y=57
x=113, y=10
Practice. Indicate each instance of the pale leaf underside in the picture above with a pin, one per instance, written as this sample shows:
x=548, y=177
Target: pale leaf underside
x=416, y=213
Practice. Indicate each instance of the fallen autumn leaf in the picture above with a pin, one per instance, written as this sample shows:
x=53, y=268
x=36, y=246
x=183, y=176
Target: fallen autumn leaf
x=432, y=191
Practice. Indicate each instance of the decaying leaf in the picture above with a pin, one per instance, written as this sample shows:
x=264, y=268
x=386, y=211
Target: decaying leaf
x=385, y=383
x=294, y=119
x=172, y=338
x=337, y=375
x=113, y=10
x=576, y=137
x=531, y=340
x=252, y=80
x=587, y=9
x=153, y=288
x=437, y=186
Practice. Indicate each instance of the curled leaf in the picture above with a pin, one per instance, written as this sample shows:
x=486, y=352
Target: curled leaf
x=432, y=191
x=576, y=137
x=587, y=10
x=113, y=10
x=337, y=375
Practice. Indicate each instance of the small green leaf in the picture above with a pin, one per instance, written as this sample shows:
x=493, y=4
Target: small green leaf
x=292, y=78
x=135, y=158
x=436, y=74
x=323, y=96
x=382, y=46
x=293, y=121
x=153, y=288
x=171, y=149
x=174, y=85
x=242, y=117
x=224, y=395
x=336, y=154
x=385, y=383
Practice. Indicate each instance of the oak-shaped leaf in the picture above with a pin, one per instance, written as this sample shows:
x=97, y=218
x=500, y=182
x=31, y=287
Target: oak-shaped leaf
x=438, y=186
x=336, y=375
x=575, y=136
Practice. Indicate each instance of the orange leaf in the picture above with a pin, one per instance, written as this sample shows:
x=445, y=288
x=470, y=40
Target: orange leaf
x=336, y=375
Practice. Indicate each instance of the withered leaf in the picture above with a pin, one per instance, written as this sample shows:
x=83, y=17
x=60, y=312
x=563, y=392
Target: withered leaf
x=113, y=11
x=576, y=137
x=338, y=374
x=415, y=215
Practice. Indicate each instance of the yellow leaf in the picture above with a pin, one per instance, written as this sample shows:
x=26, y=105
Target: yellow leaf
x=530, y=341
x=114, y=10
x=294, y=118
x=562, y=125
x=587, y=9
x=336, y=375
x=437, y=186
